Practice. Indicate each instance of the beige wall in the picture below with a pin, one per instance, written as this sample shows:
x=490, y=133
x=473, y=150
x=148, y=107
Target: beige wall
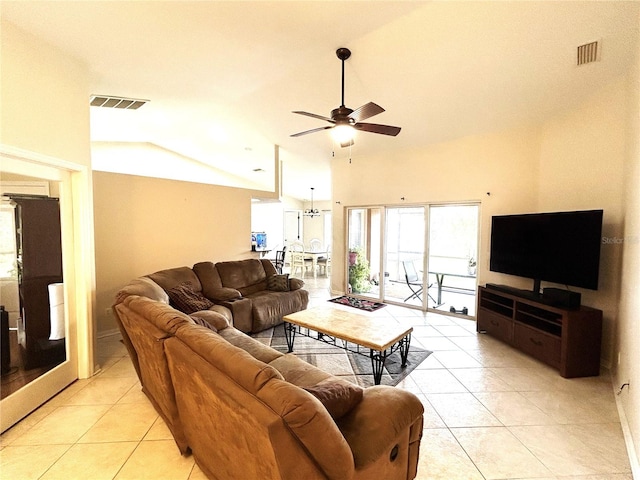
x=628, y=324
x=498, y=170
x=147, y=224
x=45, y=98
x=582, y=158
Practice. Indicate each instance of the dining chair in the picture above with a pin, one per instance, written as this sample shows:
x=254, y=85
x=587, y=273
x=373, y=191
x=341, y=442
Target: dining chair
x=315, y=245
x=298, y=247
x=298, y=262
x=279, y=261
x=324, y=263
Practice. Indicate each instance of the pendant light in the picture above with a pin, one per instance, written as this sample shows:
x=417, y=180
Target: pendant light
x=312, y=212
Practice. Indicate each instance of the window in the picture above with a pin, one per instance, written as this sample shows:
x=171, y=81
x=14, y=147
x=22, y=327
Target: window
x=8, y=267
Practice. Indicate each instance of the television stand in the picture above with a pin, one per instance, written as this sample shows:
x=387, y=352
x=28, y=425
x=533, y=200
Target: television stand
x=566, y=339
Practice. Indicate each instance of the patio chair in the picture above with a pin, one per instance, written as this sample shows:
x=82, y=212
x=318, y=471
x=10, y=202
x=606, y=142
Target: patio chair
x=413, y=281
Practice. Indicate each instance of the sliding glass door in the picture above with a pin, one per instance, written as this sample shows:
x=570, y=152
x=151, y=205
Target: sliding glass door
x=452, y=259
x=421, y=256
x=364, y=254
x=404, y=258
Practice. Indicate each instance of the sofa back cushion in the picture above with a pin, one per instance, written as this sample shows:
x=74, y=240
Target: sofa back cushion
x=171, y=277
x=209, y=372
x=246, y=276
x=209, y=278
x=144, y=287
x=148, y=324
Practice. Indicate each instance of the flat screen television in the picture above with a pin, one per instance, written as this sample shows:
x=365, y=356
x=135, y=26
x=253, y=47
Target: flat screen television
x=558, y=247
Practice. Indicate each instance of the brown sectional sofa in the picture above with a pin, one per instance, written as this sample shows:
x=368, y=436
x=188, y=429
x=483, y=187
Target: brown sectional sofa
x=247, y=411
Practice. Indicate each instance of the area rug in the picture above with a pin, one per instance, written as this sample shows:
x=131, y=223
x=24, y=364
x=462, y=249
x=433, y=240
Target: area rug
x=358, y=303
x=348, y=365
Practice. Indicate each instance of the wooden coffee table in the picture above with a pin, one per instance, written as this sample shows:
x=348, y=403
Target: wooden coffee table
x=382, y=336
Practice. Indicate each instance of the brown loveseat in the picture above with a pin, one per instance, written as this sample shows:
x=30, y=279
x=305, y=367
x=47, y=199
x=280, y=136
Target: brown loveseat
x=247, y=411
x=243, y=287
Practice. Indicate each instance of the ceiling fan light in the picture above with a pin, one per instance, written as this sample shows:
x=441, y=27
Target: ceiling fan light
x=343, y=133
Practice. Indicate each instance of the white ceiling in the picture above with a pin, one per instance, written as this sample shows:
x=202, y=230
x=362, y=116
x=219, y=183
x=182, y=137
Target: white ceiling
x=223, y=77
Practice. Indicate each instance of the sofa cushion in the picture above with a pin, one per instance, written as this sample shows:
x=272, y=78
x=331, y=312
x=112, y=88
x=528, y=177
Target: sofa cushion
x=171, y=277
x=159, y=314
x=256, y=349
x=278, y=283
x=187, y=300
x=298, y=372
x=210, y=319
x=244, y=275
x=144, y=287
x=338, y=397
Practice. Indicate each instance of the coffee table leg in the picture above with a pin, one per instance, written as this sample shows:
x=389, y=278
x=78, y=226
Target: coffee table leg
x=290, y=335
x=404, y=349
x=377, y=362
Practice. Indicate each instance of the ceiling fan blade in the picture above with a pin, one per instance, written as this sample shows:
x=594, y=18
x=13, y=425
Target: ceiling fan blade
x=306, y=132
x=367, y=110
x=375, y=128
x=313, y=115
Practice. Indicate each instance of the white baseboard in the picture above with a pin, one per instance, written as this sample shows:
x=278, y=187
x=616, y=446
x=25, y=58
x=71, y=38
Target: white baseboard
x=628, y=438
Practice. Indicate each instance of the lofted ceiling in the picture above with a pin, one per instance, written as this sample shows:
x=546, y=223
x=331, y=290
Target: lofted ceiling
x=223, y=77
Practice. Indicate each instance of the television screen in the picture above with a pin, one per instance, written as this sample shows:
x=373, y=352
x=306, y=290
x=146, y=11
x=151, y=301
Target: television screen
x=559, y=247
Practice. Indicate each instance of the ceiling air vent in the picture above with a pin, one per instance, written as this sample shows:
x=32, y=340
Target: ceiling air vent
x=588, y=53
x=116, y=102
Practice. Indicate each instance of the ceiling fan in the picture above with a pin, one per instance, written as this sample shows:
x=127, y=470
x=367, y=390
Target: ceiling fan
x=345, y=121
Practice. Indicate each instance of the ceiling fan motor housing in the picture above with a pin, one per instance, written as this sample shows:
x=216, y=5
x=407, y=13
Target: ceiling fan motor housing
x=341, y=114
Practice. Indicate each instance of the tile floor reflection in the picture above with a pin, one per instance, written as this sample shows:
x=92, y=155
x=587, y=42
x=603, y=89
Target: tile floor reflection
x=491, y=412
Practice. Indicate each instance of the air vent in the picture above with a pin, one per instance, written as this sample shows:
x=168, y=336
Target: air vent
x=116, y=102
x=588, y=53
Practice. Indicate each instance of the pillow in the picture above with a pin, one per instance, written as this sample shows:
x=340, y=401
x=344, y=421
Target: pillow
x=339, y=398
x=278, y=283
x=187, y=300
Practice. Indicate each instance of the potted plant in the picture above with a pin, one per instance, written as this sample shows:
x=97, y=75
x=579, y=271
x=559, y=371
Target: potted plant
x=359, y=271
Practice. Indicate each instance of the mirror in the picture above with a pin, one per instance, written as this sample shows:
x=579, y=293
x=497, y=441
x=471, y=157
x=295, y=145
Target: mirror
x=31, y=283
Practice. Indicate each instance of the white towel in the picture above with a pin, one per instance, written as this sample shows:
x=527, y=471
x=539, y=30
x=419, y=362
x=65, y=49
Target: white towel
x=56, y=304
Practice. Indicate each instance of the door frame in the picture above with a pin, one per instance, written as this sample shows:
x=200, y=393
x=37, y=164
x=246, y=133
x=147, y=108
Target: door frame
x=76, y=221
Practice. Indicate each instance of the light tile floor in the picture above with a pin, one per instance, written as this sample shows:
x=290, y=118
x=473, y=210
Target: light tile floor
x=490, y=413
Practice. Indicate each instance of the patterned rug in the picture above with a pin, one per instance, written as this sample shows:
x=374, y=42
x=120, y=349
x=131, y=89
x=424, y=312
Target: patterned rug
x=358, y=303
x=348, y=365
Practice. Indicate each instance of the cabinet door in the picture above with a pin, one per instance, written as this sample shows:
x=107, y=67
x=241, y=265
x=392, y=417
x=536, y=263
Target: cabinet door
x=39, y=239
x=495, y=325
x=538, y=344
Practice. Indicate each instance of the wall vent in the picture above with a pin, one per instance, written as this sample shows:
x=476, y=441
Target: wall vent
x=588, y=53
x=109, y=101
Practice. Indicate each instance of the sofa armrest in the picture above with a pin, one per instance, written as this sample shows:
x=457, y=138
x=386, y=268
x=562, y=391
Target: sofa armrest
x=241, y=310
x=295, y=283
x=402, y=412
x=223, y=294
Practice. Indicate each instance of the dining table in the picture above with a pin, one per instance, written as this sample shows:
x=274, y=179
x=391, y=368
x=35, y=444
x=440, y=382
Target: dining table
x=314, y=255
